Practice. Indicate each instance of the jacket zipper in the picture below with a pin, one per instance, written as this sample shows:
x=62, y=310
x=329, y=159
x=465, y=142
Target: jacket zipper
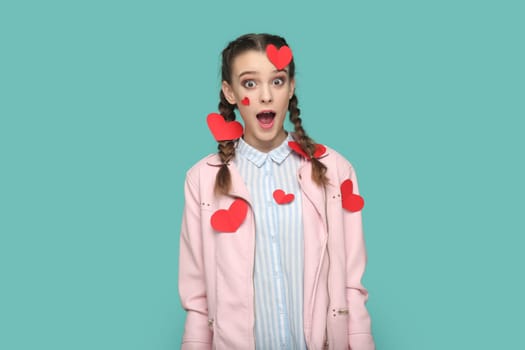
x=325, y=343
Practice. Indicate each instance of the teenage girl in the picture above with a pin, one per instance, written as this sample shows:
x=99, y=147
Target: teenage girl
x=271, y=248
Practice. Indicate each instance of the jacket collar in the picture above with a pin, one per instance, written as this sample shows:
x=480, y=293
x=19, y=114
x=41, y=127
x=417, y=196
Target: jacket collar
x=238, y=188
x=314, y=193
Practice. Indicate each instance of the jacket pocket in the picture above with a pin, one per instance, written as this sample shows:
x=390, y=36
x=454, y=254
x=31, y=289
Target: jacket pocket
x=343, y=311
x=337, y=328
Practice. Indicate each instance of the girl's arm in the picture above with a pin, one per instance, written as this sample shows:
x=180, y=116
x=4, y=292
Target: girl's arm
x=359, y=324
x=192, y=287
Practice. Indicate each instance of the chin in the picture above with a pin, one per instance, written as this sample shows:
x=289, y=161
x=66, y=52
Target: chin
x=272, y=135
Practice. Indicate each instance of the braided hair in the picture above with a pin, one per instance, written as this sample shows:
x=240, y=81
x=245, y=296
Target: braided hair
x=306, y=143
x=226, y=149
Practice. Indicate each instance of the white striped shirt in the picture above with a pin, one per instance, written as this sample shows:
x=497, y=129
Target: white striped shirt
x=278, y=274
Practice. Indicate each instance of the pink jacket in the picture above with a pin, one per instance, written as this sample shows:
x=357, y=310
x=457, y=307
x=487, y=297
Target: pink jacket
x=216, y=269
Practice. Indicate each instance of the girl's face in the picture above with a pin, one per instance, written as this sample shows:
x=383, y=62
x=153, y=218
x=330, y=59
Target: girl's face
x=262, y=94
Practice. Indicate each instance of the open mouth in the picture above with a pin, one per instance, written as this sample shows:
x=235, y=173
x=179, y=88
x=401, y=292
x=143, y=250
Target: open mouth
x=266, y=119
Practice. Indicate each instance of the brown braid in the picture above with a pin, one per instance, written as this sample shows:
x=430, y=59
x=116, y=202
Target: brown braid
x=306, y=143
x=226, y=149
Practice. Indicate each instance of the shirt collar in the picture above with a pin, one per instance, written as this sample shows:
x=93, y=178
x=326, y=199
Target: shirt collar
x=278, y=154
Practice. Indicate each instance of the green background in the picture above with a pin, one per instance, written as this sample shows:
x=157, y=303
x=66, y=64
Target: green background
x=102, y=111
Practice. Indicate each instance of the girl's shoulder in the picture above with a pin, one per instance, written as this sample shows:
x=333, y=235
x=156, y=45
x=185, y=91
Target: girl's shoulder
x=332, y=158
x=336, y=162
x=208, y=163
x=336, y=157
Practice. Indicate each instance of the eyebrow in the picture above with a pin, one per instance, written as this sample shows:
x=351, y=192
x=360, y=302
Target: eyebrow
x=255, y=72
x=247, y=72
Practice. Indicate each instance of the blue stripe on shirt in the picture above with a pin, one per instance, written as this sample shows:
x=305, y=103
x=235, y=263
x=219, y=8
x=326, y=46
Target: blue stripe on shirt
x=278, y=275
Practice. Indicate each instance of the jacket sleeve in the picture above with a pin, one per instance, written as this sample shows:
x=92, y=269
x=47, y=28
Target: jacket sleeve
x=359, y=323
x=192, y=285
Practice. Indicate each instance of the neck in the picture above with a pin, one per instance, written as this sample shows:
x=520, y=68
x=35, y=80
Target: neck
x=266, y=146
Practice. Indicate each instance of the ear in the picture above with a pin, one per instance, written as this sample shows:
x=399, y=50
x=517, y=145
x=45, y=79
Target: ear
x=228, y=92
x=292, y=88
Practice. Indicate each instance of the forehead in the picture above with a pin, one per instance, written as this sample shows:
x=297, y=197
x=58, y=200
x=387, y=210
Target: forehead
x=252, y=61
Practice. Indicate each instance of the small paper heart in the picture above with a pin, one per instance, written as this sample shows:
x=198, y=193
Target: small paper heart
x=297, y=149
x=229, y=220
x=223, y=130
x=282, y=198
x=245, y=101
x=351, y=201
x=319, y=149
x=279, y=57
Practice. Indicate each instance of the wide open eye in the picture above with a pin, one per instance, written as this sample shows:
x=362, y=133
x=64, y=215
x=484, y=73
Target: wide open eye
x=278, y=81
x=249, y=84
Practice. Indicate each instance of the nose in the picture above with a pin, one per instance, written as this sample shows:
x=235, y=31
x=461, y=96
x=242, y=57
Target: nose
x=266, y=95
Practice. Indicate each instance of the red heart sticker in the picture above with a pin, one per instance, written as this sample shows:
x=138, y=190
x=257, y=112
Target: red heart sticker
x=245, y=101
x=229, y=220
x=223, y=130
x=282, y=198
x=351, y=202
x=279, y=57
x=319, y=149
